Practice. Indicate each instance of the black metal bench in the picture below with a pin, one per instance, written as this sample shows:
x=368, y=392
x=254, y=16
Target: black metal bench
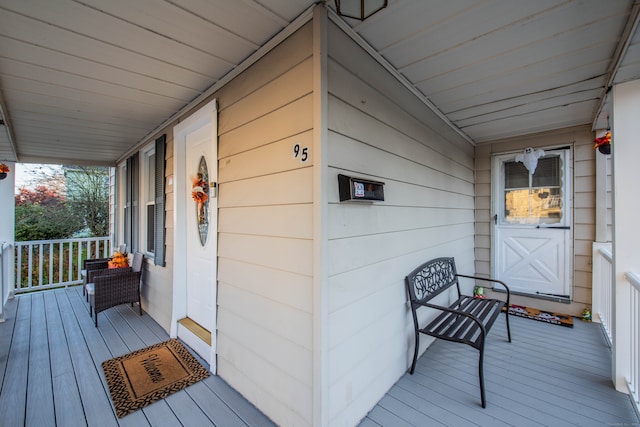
x=467, y=320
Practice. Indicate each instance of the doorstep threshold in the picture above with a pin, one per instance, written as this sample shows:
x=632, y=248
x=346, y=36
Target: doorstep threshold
x=196, y=329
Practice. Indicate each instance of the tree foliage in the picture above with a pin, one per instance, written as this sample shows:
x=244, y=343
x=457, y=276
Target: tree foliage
x=63, y=203
x=43, y=214
x=88, y=195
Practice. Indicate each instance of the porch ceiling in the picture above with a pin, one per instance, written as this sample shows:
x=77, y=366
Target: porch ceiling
x=81, y=81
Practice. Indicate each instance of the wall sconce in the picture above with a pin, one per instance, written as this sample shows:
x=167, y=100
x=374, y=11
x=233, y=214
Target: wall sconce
x=4, y=169
x=359, y=9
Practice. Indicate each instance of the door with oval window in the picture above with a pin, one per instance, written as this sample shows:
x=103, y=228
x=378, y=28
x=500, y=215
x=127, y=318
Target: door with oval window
x=195, y=269
x=532, y=236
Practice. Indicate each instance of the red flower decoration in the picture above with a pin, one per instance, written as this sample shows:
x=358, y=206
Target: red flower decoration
x=603, y=140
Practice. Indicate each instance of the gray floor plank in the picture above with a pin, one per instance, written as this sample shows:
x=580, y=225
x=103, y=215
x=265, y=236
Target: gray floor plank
x=66, y=396
x=410, y=414
x=527, y=383
x=215, y=409
x=384, y=417
x=74, y=349
x=6, y=332
x=548, y=376
x=98, y=412
x=238, y=404
x=13, y=397
x=186, y=410
x=98, y=352
x=40, y=409
x=566, y=384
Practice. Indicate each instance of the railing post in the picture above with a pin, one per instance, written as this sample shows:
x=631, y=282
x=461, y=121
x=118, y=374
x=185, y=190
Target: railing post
x=601, y=287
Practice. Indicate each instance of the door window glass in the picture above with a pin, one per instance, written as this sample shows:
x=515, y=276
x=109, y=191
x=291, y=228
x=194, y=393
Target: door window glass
x=535, y=201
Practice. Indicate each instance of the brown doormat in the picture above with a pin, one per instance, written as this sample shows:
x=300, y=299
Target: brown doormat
x=144, y=376
x=541, y=315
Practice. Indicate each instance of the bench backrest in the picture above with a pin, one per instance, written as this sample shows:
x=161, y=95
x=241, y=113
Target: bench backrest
x=431, y=278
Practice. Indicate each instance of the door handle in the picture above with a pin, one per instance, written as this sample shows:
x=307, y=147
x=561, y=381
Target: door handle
x=561, y=227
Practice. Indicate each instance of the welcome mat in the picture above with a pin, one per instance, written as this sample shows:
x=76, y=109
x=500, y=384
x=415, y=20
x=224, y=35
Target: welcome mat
x=137, y=379
x=541, y=315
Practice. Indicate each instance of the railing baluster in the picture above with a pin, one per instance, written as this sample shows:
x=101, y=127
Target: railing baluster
x=78, y=276
x=60, y=261
x=52, y=279
x=18, y=284
x=70, y=277
x=30, y=281
x=40, y=264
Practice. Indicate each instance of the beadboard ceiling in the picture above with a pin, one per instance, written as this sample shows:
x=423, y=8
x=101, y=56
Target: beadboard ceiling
x=82, y=81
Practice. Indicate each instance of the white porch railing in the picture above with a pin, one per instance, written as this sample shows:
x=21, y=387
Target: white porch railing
x=43, y=264
x=602, y=288
x=633, y=380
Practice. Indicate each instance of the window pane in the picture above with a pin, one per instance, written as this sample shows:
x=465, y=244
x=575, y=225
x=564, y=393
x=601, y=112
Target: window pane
x=547, y=172
x=151, y=178
x=151, y=216
x=538, y=206
x=515, y=175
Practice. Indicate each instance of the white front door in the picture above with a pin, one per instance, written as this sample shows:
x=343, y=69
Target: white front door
x=532, y=236
x=196, y=208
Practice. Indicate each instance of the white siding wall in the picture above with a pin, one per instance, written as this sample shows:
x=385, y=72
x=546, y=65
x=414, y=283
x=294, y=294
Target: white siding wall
x=581, y=139
x=265, y=232
x=379, y=130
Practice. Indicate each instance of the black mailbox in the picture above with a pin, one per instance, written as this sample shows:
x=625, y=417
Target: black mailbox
x=360, y=189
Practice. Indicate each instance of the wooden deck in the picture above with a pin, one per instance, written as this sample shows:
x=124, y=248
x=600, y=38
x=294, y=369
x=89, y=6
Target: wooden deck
x=51, y=355
x=548, y=376
x=51, y=373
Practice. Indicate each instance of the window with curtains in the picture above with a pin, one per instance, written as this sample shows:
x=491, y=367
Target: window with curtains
x=143, y=208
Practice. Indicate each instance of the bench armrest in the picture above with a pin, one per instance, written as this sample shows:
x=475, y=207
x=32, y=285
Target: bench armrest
x=454, y=311
x=489, y=280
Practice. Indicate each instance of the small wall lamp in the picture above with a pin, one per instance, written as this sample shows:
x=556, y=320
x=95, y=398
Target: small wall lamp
x=359, y=9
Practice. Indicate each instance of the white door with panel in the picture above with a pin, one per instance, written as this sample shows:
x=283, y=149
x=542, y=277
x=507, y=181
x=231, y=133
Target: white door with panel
x=532, y=250
x=195, y=271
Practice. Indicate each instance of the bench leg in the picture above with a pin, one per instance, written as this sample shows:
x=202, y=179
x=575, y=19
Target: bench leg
x=506, y=316
x=415, y=352
x=481, y=374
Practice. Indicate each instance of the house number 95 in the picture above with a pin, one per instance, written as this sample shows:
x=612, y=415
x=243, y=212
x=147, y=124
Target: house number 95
x=301, y=153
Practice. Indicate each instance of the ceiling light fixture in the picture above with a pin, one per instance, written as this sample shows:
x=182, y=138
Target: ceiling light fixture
x=359, y=9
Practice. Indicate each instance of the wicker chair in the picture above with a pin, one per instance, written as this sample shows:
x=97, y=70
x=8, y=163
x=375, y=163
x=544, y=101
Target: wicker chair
x=114, y=290
x=91, y=265
x=117, y=286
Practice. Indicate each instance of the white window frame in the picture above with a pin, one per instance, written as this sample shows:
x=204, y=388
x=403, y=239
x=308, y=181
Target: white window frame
x=121, y=180
x=147, y=161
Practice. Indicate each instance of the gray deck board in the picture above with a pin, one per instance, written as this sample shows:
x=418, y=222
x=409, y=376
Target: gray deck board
x=548, y=376
x=51, y=355
x=13, y=397
x=51, y=358
x=40, y=409
x=97, y=408
x=66, y=395
x=238, y=404
x=5, y=336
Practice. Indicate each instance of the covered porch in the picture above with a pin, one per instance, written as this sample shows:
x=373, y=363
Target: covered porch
x=51, y=355
x=305, y=290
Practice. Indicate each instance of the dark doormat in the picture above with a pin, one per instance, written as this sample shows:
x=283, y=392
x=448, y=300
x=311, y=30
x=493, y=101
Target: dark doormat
x=137, y=379
x=541, y=315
